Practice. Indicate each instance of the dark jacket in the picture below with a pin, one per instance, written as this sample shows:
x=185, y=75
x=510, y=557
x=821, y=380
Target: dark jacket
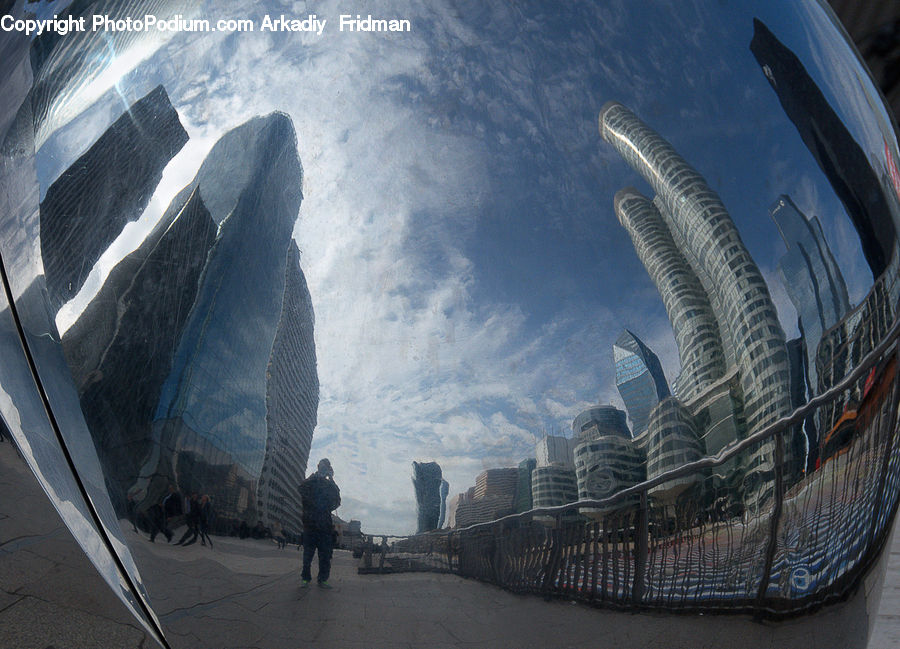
x=320, y=496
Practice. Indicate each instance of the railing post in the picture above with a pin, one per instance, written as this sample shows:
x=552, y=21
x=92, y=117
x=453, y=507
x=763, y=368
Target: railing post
x=641, y=531
x=886, y=452
x=384, y=548
x=773, y=523
x=450, y=551
x=552, y=558
x=367, y=552
x=496, y=558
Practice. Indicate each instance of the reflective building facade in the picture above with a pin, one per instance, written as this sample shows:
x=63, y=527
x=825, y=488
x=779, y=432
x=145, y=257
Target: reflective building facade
x=686, y=301
x=292, y=401
x=553, y=485
x=811, y=277
x=427, y=482
x=190, y=316
x=834, y=148
x=598, y=421
x=125, y=163
x=639, y=379
x=712, y=241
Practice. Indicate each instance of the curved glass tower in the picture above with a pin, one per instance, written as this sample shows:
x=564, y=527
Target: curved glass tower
x=687, y=303
x=712, y=244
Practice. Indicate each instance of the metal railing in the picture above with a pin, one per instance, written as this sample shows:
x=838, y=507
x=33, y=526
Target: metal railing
x=809, y=543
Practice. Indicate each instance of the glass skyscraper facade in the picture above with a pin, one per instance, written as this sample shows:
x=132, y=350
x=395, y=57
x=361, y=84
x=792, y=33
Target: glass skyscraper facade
x=639, y=379
x=743, y=305
x=811, y=277
x=687, y=302
x=695, y=236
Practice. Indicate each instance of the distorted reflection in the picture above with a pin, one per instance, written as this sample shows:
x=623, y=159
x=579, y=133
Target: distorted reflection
x=231, y=255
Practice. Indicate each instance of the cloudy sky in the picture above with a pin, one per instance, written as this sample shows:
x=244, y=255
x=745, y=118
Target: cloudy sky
x=457, y=235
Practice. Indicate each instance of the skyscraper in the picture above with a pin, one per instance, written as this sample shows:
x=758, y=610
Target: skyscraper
x=523, y=488
x=153, y=288
x=292, y=401
x=811, y=277
x=85, y=209
x=427, y=481
x=743, y=305
x=215, y=396
x=639, y=379
x=687, y=303
x=834, y=148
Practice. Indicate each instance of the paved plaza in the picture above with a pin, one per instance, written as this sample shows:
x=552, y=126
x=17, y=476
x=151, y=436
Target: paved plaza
x=246, y=594
x=369, y=611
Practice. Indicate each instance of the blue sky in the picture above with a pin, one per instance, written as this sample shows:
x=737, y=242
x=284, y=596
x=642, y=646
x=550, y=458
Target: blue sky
x=457, y=234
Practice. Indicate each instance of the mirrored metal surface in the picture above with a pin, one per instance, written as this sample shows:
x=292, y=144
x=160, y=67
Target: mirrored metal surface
x=622, y=275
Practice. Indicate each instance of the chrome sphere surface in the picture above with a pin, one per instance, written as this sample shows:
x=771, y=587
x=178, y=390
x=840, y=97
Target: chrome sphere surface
x=588, y=301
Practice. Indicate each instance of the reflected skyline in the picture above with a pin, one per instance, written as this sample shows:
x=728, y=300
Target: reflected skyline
x=409, y=297
x=228, y=256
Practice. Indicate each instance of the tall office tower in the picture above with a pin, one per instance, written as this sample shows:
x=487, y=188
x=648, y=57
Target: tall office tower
x=841, y=158
x=811, y=277
x=555, y=450
x=714, y=297
x=597, y=421
x=605, y=464
x=85, y=209
x=427, y=485
x=523, y=487
x=687, y=303
x=292, y=402
x=72, y=70
x=119, y=375
x=673, y=443
x=743, y=306
x=639, y=379
x=215, y=395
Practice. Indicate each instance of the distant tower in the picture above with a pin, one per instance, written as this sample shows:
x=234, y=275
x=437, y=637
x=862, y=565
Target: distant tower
x=427, y=481
x=834, y=148
x=811, y=276
x=639, y=379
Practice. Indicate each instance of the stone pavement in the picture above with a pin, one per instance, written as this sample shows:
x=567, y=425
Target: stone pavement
x=246, y=593
x=886, y=634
